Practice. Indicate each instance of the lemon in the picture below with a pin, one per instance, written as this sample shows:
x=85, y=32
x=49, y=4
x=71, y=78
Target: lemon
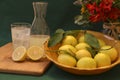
x=35, y=53
x=86, y=63
x=67, y=49
x=101, y=42
x=82, y=45
x=69, y=40
x=67, y=59
x=111, y=51
x=81, y=39
x=19, y=54
x=102, y=60
x=82, y=53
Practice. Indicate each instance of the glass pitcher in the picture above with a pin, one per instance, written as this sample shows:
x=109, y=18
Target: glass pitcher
x=39, y=30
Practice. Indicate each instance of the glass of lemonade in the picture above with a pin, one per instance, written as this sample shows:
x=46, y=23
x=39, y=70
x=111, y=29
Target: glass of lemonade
x=20, y=34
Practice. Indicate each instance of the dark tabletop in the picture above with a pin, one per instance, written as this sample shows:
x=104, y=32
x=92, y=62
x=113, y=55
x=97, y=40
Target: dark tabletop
x=60, y=14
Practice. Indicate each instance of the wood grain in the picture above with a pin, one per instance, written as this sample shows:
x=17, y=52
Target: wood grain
x=27, y=67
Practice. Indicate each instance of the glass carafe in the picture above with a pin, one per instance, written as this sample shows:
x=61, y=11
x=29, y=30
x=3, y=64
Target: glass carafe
x=39, y=31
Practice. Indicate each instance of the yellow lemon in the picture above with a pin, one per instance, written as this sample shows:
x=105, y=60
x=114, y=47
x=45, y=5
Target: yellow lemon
x=81, y=39
x=19, y=54
x=102, y=60
x=82, y=53
x=69, y=40
x=86, y=63
x=35, y=53
x=67, y=59
x=67, y=49
x=101, y=42
x=111, y=51
x=82, y=45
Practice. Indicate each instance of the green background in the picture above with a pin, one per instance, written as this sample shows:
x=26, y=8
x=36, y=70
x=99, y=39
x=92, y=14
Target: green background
x=60, y=14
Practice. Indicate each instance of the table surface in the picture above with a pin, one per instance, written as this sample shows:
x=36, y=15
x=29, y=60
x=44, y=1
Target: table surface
x=54, y=73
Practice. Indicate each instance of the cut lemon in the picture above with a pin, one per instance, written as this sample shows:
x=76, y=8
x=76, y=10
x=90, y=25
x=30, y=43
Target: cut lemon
x=35, y=53
x=19, y=54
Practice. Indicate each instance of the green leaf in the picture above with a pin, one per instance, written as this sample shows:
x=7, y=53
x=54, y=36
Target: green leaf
x=92, y=40
x=72, y=32
x=92, y=51
x=59, y=31
x=56, y=38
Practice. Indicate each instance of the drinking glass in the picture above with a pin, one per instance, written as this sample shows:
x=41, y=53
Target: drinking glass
x=20, y=32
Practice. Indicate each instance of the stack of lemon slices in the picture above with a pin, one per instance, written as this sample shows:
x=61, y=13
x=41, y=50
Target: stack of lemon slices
x=21, y=53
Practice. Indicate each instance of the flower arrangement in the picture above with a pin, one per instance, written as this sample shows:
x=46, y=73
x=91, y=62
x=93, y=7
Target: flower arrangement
x=93, y=11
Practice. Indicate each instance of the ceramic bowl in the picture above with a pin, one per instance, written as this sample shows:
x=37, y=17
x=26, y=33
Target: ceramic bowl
x=52, y=56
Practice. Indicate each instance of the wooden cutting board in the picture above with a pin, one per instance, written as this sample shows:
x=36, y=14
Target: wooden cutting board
x=26, y=67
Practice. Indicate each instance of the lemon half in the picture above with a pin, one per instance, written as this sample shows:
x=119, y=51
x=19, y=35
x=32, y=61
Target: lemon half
x=35, y=53
x=19, y=54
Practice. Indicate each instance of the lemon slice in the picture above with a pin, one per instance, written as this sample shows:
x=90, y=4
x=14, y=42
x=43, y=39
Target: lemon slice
x=35, y=53
x=19, y=54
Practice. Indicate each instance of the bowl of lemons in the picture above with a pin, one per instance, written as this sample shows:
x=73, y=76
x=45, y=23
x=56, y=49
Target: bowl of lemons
x=83, y=52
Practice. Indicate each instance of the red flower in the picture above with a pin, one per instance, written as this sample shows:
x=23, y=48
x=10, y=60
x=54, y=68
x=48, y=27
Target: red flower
x=94, y=18
x=91, y=7
x=114, y=13
x=105, y=6
x=101, y=10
